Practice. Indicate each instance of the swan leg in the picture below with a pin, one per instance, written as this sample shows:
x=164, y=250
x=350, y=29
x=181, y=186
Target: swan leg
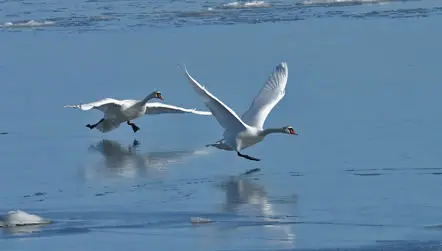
x=135, y=128
x=247, y=156
x=94, y=125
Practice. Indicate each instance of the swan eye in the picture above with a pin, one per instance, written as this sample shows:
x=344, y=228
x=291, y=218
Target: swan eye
x=158, y=94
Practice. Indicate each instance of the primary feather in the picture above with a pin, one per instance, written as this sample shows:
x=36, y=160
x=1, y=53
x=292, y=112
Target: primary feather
x=103, y=105
x=225, y=116
x=159, y=108
x=270, y=95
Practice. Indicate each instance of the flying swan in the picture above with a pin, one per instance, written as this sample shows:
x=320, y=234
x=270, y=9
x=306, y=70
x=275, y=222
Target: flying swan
x=240, y=133
x=119, y=111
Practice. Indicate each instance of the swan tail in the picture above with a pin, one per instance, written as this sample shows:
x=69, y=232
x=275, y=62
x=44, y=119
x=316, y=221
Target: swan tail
x=73, y=106
x=80, y=106
x=220, y=144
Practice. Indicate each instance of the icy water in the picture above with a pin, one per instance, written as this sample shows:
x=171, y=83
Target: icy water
x=363, y=93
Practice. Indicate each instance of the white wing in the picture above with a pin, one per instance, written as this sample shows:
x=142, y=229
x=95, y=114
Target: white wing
x=225, y=116
x=158, y=108
x=271, y=93
x=103, y=105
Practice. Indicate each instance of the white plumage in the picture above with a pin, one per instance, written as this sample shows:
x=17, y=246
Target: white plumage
x=119, y=111
x=240, y=133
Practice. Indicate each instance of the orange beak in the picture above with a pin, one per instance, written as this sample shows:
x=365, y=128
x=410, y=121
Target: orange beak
x=292, y=131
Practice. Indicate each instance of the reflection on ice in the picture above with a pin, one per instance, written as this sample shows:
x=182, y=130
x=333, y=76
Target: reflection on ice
x=128, y=162
x=19, y=222
x=248, y=197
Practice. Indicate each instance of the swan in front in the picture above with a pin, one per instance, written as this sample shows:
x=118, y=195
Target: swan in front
x=240, y=133
x=120, y=111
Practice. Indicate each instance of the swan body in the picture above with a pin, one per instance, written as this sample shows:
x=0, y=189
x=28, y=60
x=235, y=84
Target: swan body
x=119, y=111
x=20, y=218
x=247, y=130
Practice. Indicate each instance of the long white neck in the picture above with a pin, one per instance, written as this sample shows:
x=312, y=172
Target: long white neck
x=267, y=131
x=147, y=98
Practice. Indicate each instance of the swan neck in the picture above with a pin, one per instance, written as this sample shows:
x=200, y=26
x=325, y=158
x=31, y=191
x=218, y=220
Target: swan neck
x=147, y=98
x=268, y=131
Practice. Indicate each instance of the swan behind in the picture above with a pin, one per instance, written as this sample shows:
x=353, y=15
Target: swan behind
x=119, y=111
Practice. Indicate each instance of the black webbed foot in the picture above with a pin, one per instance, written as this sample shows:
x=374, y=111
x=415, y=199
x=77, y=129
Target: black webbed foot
x=135, y=128
x=94, y=125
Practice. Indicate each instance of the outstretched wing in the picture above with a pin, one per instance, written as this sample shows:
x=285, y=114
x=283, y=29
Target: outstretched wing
x=159, y=108
x=225, y=116
x=271, y=93
x=103, y=105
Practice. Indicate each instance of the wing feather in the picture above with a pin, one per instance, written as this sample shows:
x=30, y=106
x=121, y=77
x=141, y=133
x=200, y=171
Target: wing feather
x=271, y=93
x=159, y=108
x=103, y=105
x=225, y=116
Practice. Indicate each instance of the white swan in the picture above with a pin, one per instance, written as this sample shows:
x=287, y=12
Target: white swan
x=248, y=130
x=119, y=111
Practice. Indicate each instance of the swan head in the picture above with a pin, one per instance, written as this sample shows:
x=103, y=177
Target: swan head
x=290, y=130
x=158, y=95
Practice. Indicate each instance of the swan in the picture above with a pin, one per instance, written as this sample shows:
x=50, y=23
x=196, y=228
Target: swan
x=119, y=111
x=240, y=133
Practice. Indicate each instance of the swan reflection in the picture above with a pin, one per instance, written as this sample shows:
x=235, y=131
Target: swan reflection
x=21, y=223
x=246, y=196
x=128, y=162
x=23, y=230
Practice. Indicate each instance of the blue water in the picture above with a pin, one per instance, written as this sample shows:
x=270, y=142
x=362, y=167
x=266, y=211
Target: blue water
x=363, y=94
